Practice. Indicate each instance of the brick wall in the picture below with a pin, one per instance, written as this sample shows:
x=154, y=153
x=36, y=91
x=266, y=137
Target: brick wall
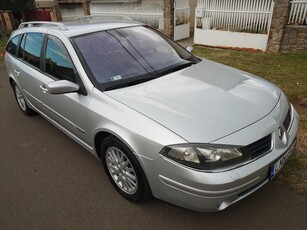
x=294, y=39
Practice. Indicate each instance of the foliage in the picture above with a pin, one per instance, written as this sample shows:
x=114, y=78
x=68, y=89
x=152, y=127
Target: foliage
x=16, y=5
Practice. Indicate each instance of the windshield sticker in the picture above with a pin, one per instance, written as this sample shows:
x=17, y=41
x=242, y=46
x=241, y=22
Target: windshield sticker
x=117, y=77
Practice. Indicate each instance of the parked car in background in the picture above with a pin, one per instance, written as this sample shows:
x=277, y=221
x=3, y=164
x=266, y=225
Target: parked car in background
x=189, y=131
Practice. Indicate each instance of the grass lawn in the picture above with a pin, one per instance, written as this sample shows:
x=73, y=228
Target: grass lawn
x=289, y=72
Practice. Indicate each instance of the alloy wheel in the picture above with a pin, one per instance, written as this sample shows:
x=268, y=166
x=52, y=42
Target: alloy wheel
x=20, y=99
x=121, y=170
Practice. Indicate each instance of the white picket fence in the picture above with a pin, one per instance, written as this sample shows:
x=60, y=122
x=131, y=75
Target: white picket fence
x=233, y=23
x=298, y=11
x=238, y=15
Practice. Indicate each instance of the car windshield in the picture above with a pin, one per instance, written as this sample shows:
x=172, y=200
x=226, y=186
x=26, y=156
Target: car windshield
x=126, y=56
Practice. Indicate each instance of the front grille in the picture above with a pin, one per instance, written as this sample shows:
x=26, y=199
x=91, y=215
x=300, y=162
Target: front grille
x=260, y=147
x=287, y=120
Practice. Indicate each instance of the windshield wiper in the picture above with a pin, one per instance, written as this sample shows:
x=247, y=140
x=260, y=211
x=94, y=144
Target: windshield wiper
x=136, y=81
x=175, y=68
x=129, y=83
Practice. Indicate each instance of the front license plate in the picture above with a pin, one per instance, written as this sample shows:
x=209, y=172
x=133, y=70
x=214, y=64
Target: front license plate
x=277, y=165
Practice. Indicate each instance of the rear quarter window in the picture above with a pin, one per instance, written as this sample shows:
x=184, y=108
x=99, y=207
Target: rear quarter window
x=12, y=45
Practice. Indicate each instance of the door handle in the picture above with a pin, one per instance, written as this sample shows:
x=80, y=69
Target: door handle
x=17, y=72
x=43, y=88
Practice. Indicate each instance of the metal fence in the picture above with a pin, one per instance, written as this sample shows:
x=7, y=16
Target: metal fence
x=252, y=16
x=298, y=12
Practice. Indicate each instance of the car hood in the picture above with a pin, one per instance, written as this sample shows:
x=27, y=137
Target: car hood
x=202, y=103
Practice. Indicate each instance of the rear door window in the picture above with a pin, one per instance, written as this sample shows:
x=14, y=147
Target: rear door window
x=12, y=45
x=30, y=48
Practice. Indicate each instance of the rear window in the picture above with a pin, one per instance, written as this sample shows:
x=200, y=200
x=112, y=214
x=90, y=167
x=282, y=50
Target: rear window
x=12, y=45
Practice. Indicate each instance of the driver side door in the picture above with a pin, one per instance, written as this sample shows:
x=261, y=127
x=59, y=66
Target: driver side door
x=67, y=110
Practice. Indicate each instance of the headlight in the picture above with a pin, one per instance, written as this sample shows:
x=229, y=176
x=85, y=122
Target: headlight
x=207, y=157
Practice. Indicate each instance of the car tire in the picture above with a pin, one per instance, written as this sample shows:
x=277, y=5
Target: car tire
x=21, y=101
x=124, y=170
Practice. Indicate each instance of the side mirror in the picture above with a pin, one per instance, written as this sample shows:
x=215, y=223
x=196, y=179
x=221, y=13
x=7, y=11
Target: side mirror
x=189, y=49
x=62, y=86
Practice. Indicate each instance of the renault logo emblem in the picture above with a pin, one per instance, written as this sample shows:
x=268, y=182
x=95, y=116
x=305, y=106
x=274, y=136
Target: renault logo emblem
x=282, y=133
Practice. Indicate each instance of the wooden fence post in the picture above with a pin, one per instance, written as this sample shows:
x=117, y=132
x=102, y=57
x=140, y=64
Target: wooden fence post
x=9, y=21
x=2, y=30
x=2, y=26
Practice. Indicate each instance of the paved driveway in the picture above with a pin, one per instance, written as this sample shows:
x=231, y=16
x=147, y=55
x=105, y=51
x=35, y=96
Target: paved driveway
x=47, y=181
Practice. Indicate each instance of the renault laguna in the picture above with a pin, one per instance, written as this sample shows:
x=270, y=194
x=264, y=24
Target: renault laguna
x=165, y=123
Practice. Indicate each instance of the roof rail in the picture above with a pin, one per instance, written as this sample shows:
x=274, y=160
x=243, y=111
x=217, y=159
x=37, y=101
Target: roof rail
x=103, y=17
x=61, y=26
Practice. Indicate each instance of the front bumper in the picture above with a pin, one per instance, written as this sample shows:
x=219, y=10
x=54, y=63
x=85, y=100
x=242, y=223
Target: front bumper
x=209, y=192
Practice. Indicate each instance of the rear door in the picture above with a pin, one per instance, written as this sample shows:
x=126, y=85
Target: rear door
x=27, y=68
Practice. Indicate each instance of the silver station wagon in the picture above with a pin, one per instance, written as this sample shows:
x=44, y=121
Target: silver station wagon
x=165, y=123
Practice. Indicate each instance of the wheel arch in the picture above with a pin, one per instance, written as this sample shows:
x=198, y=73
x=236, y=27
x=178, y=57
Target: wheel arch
x=99, y=137
x=102, y=134
x=146, y=192
x=12, y=81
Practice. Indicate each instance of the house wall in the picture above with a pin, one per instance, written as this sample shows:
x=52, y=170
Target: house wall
x=70, y=11
x=146, y=11
x=282, y=37
x=294, y=39
x=44, y=3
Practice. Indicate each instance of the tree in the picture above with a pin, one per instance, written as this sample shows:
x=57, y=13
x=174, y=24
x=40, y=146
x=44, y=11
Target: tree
x=16, y=5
